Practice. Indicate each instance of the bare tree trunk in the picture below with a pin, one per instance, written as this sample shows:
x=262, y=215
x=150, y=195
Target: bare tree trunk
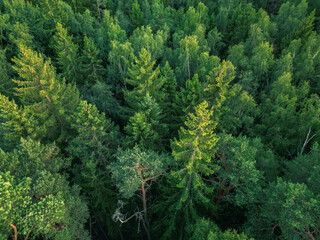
x=145, y=213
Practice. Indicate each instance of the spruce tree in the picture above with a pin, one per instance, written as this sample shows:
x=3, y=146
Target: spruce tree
x=142, y=79
x=48, y=101
x=67, y=56
x=92, y=68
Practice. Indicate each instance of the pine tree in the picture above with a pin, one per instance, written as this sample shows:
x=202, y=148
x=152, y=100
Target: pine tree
x=48, y=101
x=91, y=64
x=98, y=138
x=67, y=56
x=146, y=127
x=136, y=15
x=142, y=79
x=193, y=154
x=135, y=170
x=94, y=148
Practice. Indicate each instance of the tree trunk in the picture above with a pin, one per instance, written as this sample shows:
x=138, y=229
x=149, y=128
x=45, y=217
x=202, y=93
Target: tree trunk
x=145, y=213
x=15, y=235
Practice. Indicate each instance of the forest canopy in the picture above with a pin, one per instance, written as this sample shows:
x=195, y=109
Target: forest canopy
x=160, y=119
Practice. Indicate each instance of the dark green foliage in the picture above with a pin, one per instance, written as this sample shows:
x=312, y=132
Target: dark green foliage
x=92, y=69
x=172, y=119
x=146, y=128
x=37, y=200
x=288, y=210
x=136, y=15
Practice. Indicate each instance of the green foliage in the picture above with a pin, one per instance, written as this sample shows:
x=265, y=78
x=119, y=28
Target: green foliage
x=289, y=18
x=226, y=93
x=146, y=127
x=6, y=85
x=238, y=176
x=288, y=211
x=19, y=211
x=133, y=167
x=239, y=111
x=304, y=167
x=136, y=15
x=91, y=64
x=48, y=101
x=142, y=79
x=67, y=55
x=121, y=57
x=154, y=43
x=37, y=198
x=207, y=230
x=286, y=106
x=97, y=138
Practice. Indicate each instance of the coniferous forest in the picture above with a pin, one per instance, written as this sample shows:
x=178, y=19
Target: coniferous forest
x=160, y=119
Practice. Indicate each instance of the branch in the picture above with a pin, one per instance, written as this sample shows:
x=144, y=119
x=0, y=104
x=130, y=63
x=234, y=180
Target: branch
x=148, y=179
x=15, y=235
x=307, y=140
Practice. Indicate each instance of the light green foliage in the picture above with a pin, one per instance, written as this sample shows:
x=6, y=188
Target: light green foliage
x=133, y=167
x=255, y=66
x=190, y=96
x=194, y=152
x=22, y=22
x=185, y=189
x=207, y=230
x=20, y=35
x=110, y=31
x=55, y=11
x=40, y=201
x=305, y=60
x=32, y=157
x=48, y=101
x=262, y=60
x=154, y=43
x=289, y=18
x=143, y=79
x=19, y=210
x=287, y=207
x=213, y=90
x=91, y=64
x=193, y=17
x=206, y=63
x=121, y=57
x=188, y=56
x=67, y=55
